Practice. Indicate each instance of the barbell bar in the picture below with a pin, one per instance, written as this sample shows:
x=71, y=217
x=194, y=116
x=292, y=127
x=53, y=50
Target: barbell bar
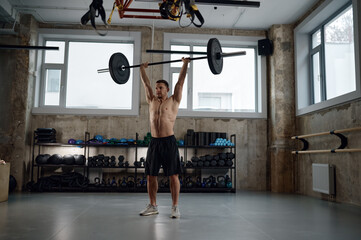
x=119, y=67
x=175, y=52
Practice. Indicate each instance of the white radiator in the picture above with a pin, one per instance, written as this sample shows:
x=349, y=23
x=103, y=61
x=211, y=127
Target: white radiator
x=323, y=178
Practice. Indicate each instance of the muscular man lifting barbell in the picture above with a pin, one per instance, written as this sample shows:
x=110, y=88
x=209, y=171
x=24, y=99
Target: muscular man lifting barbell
x=163, y=148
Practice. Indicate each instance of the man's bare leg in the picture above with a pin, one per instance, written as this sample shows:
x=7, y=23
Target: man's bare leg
x=174, y=188
x=152, y=188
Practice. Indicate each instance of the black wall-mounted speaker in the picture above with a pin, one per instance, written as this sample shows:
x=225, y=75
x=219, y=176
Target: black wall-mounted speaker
x=265, y=47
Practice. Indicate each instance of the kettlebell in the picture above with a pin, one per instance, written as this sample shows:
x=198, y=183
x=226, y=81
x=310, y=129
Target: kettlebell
x=204, y=183
x=221, y=182
x=139, y=182
x=97, y=181
x=209, y=182
x=199, y=182
x=161, y=184
x=113, y=183
x=130, y=183
x=189, y=182
x=123, y=183
x=214, y=183
x=228, y=181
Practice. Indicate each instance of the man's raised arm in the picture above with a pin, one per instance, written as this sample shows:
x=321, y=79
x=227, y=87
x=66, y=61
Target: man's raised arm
x=148, y=89
x=182, y=75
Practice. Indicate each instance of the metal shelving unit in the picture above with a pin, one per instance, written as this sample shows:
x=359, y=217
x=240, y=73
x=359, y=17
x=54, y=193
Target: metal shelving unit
x=93, y=188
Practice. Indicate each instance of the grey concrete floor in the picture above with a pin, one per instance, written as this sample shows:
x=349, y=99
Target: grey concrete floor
x=219, y=216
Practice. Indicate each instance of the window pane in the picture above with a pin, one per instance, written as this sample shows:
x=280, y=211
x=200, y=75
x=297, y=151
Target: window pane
x=52, y=87
x=183, y=103
x=234, y=90
x=88, y=89
x=316, y=39
x=316, y=77
x=339, y=55
x=178, y=56
x=55, y=56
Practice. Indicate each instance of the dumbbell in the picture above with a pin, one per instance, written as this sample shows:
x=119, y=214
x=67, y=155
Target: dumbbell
x=142, y=161
x=120, y=159
x=189, y=164
x=106, y=161
x=99, y=162
x=221, y=163
x=194, y=160
x=213, y=163
x=182, y=163
x=222, y=156
x=137, y=164
x=112, y=161
x=207, y=163
x=230, y=155
x=91, y=162
x=229, y=163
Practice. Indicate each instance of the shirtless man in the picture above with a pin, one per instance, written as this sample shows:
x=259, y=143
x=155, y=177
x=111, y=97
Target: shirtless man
x=163, y=148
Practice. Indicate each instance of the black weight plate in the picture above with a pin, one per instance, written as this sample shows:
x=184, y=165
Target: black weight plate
x=119, y=75
x=214, y=50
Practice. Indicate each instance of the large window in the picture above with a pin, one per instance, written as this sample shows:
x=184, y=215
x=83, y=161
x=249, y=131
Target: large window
x=69, y=81
x=333, y=57
x=326, y=56
x=236, y=92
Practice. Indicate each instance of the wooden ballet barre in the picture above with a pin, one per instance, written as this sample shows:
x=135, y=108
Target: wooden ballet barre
x=328, y=151
x=327, y=133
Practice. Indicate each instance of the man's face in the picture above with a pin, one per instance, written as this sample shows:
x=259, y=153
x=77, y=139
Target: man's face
x=161, y=90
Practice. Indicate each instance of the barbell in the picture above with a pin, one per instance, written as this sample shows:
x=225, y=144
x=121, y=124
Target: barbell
x=120, y=70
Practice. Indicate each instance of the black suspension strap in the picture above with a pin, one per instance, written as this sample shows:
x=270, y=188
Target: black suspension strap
x=95, y=9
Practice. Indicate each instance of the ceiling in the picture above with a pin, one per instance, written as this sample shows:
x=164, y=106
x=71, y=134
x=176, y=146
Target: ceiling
x=269, y=13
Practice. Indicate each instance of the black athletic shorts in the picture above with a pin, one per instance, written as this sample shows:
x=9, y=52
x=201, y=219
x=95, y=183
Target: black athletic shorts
x=163, y=152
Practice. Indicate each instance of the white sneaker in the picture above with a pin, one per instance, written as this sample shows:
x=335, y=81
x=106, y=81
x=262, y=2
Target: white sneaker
x=175, y=212
x=149, y=210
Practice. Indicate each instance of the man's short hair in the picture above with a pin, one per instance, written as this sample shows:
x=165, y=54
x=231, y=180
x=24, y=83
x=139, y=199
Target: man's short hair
x=163, y=81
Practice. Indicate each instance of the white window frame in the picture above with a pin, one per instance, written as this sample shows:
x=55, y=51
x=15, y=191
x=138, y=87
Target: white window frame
x=242, y=41
x=304, y=95
x=90, y=36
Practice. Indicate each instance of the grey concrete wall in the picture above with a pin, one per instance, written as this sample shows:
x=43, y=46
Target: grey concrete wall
x=17, y=79
x=251, y=133
x=348, y=165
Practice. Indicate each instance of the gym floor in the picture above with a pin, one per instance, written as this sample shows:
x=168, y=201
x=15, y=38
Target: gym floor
x=218, y=216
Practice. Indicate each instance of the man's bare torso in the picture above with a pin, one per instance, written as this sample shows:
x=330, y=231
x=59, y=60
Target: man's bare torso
x=163, y=114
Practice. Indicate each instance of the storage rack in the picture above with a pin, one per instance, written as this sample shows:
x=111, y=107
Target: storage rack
x=86, y=167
